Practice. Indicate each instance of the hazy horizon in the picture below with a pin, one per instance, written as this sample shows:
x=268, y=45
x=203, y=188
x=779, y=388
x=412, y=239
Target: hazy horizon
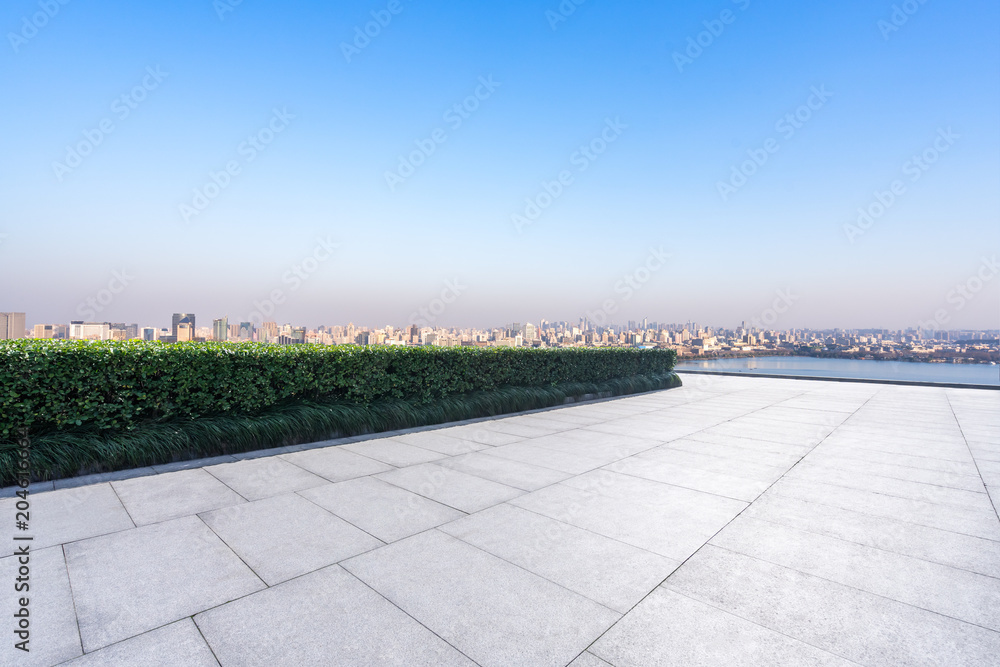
x=236, y=148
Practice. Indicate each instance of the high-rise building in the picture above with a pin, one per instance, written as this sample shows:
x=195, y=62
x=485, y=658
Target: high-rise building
x=246, y=330
x=90, y=330
x=220, y=329
x=185, y=332
x=12, y=326
x=148, y=333
x=44, y=331
x=122, y=331
x=187, y=318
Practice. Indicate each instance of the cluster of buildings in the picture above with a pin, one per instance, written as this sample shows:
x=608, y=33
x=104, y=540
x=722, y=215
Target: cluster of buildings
x=688, y=339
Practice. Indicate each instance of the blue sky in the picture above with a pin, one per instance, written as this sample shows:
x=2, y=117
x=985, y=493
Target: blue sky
x=683, y=123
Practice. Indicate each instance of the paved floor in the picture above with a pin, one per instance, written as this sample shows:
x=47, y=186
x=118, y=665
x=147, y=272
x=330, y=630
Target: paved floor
x=734, y=521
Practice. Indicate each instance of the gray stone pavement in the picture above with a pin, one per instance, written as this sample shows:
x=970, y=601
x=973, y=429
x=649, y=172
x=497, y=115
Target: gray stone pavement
x=733, y=521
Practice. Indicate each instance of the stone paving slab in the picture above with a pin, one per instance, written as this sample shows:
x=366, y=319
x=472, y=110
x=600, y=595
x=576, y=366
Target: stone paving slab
x=732, y=521
x=173, y=495
x=493, y=611
x=700, y=634
x=54, y=635
x=940, y=588
x=947, y=547
x=287, y=536
x=138, y=580
x=381, y=509
x=394, y=453
x=68, y=515
x=464, y=492
x=615, y=574
x=853, y=624
x=256, y=479
x=325, y=618
x=179, y=644
x=519, y=475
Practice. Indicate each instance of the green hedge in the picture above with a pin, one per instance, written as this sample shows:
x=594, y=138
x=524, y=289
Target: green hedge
x=79, y=452
x=48, y=386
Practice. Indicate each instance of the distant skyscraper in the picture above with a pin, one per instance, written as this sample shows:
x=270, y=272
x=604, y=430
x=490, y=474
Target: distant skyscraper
x=246, y=330
x=149, y=333
x=220, y=329
x=90, y=330
x=185, y=332
x=122, y=331
x=183, y=317
x=44, y=331
x=11, y=326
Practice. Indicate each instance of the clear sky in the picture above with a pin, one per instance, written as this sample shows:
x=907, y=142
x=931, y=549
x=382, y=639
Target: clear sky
x=116, y=115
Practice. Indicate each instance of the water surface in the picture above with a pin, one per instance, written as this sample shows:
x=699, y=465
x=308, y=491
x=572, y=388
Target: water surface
x=853, y=368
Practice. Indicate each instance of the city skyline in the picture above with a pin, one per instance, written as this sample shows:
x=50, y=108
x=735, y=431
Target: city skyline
x=689, y=340
x=205, y=156
x=234, y=329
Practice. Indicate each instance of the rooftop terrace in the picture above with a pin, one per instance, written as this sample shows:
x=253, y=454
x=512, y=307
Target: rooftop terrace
x=746, y=521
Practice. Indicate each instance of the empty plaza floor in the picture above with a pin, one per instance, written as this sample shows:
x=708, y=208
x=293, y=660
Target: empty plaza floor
x=733, y=521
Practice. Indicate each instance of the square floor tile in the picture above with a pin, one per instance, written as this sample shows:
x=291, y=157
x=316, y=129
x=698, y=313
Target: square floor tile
x=671, y=629
x=52, y=626
x=388, y=450
x=255, y=479
x=386, y=511
x=137, y=580
x=335, y=463
x=173, y=495
x=612, y=573
x=287, y=536
x=960, y=594
x=450, y=442
x=324, y=618
x=67, y=515
x=494, y=612
x=505, y=471
x=176, y=645
x=450, y=487
x=526, y=452
x=866, y=628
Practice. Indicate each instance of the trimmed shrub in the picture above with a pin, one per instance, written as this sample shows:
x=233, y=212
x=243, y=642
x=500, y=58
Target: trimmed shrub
x=80, y=451
x=49, y=386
